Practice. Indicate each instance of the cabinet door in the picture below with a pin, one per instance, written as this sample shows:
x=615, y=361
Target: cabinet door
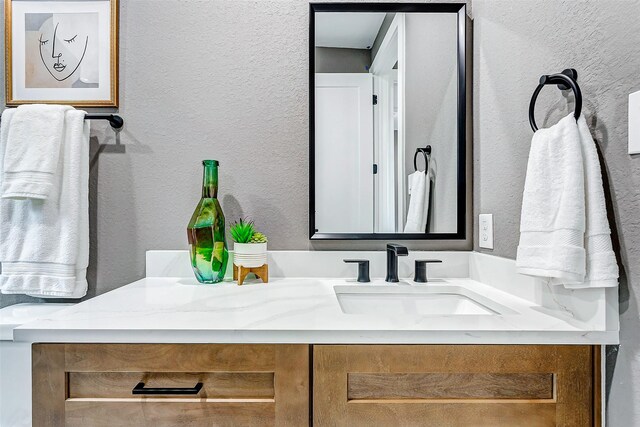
x=248, y=385
x=453, y=385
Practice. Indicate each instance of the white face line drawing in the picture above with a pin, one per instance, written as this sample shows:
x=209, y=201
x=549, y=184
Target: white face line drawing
x=61, y=48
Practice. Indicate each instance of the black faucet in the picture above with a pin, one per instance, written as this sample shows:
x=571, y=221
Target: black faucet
x=394, y=250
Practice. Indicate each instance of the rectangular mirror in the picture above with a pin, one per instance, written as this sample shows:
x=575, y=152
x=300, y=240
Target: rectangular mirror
x=388, y=121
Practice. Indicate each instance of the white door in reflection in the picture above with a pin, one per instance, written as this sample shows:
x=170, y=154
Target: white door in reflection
x=344, y=152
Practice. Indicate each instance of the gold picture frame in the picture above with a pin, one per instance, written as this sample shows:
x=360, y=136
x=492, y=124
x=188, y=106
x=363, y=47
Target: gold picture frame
x=19, y=92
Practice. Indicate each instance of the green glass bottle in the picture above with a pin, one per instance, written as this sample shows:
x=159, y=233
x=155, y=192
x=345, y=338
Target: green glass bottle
x=208, y=245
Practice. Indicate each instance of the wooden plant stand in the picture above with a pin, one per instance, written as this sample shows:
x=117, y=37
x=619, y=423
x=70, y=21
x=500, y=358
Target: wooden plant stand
x=240, y=273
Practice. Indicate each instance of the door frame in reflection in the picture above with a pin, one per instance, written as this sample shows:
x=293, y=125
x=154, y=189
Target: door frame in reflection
x=388, y=83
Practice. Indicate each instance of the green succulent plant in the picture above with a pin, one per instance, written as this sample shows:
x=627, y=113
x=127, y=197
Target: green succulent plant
x=258, y=238
x=242, y=231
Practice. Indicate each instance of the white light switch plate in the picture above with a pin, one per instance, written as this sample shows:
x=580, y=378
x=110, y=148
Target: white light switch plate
x=486, y=231
x=634, y=123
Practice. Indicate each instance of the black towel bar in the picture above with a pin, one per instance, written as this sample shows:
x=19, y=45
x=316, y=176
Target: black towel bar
x=115, y=120
x=565, y=81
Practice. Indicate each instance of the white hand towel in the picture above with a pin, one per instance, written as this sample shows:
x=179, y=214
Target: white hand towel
x=552, y=223
x=32, y=151
x=601, y=265
x=44, y=244
x=419, y=189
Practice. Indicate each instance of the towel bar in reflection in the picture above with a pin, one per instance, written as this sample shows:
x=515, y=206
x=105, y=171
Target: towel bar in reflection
x=426, y=151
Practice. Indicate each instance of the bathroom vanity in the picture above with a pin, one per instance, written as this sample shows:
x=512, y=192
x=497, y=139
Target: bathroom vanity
x=307, y=348
x=323, y=385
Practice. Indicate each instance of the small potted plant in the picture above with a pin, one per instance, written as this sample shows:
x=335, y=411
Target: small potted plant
x=250, y=246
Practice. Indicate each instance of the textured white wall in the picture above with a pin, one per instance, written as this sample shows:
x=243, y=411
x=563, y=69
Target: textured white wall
x=514, y=43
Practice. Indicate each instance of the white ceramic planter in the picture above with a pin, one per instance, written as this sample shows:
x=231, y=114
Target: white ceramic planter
x=250, y=254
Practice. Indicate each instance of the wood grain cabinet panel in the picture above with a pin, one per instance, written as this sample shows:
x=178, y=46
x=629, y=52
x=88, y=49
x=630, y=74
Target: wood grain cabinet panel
x=242, y=385
x=449, y=386
x=454, y=385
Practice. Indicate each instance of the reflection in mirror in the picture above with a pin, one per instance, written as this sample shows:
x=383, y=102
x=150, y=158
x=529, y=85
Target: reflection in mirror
x=386, y=122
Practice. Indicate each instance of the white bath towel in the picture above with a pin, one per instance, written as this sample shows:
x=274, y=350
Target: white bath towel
x=601, y=265
x=419, y=184
x=44, y=244
x=32, y=151
x=552, y=223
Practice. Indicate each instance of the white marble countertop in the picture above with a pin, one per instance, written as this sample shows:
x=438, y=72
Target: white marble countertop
x=18, y=314
x=173, y=310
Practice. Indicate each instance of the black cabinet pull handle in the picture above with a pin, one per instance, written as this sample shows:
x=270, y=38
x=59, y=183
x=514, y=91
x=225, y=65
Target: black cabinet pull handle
x=139, y=389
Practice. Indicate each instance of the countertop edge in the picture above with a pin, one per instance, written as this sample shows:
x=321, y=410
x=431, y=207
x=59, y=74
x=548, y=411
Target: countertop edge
x=315, y=337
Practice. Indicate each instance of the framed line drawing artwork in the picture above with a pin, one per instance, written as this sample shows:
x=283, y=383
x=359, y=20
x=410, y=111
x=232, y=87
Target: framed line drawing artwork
x=61, y=52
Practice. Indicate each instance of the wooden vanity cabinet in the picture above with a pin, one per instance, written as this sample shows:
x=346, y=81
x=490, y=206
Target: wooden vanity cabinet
x=242, y=385
x=353, y=385
x=455, y=385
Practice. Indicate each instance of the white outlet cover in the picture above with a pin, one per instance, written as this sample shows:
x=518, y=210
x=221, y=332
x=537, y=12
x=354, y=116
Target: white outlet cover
x=485, y=231
x=634, y=123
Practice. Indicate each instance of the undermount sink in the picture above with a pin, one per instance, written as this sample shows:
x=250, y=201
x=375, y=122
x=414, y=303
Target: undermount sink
x=407, y=300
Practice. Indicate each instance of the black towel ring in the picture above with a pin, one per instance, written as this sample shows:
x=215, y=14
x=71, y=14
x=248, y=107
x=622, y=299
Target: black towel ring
x=425, y=152
x=565, y=80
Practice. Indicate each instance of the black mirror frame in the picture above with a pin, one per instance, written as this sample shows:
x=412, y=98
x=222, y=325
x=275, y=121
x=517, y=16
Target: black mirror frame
x=463, y=134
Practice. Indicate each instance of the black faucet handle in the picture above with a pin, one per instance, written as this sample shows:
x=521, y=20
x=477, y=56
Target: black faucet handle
x=363, y=269
x=399, y=250
x=421, y=269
